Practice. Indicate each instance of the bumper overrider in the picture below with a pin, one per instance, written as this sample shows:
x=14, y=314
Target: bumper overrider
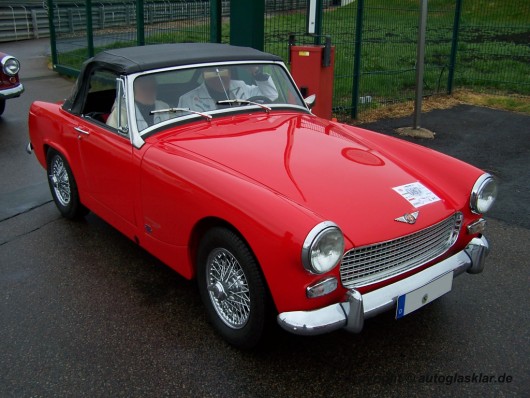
x=351, y=314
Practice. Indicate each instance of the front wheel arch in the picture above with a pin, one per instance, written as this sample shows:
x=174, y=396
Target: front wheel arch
x=201, y=228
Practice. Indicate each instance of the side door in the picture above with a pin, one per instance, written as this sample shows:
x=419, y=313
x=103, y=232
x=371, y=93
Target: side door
x=107, y=153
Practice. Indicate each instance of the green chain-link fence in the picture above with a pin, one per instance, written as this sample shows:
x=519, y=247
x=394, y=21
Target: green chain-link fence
x=81, y=29
x=494, y=46
x=478, y=44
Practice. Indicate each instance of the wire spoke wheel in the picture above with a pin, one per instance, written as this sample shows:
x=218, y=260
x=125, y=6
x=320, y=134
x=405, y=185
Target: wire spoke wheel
x=232, y=287
x=63, y=186
x=228, y=288
x=60, y=181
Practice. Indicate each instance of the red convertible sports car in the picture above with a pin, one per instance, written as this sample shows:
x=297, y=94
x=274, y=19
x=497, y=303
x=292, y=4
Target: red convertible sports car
x=207, y=156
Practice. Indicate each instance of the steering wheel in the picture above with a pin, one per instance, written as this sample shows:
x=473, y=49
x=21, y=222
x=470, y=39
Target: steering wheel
x=260, y=99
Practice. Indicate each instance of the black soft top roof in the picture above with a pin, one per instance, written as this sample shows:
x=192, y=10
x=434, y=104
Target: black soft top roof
x=138, y=59
x=128, y=60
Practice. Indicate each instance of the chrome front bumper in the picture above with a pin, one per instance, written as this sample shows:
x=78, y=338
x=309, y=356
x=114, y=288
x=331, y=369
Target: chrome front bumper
x=351, y=314
x=12, y=92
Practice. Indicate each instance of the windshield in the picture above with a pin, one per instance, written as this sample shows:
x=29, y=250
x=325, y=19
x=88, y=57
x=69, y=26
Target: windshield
x=203, y=90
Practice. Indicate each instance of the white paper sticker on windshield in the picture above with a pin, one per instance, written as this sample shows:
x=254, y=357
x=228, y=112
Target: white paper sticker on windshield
x=417, y=194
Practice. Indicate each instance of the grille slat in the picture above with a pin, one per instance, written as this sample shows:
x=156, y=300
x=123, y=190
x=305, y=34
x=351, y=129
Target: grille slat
x=408, y=249
x=364, y=265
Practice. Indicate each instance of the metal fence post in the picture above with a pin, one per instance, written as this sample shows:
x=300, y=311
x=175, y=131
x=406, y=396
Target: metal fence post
x=53, y=37
x=357, y=59
x=420, y=64
x=128, y=16
x=216, y=15
x=140, y=34
x=454, y=46
x=316, y=29
x=101, y=16
x=89, y=28
x=35, y=24
x=71, y=24
x=247, y=23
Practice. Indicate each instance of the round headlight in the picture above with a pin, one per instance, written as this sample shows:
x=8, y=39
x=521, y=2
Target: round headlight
x=323, y=248
x=483, y=194
x=11, y=66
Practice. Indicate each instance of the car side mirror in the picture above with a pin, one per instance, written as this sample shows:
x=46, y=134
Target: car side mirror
x=310, y=101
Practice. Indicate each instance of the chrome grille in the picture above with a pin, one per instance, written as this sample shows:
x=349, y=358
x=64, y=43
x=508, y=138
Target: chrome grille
x=365, y=265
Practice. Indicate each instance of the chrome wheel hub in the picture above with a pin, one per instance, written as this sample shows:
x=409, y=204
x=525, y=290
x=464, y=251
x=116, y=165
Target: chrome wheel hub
x=218, y=291
x=228, y=288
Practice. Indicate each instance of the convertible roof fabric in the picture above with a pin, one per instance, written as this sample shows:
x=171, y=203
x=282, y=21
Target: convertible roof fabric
x=137, y=59
x=129, y=60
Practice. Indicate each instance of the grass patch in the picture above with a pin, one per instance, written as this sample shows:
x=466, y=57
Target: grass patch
x=406, y=108
x=511, y=103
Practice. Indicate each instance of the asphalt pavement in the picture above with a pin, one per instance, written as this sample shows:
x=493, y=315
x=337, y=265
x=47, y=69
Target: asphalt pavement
x=84, y=312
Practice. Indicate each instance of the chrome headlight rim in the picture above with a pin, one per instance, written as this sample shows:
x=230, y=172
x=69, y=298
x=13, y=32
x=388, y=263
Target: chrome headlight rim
x=483, y=182
x=10, y=65
x=313, y=239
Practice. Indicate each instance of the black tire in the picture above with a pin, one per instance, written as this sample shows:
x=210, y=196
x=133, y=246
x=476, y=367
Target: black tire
x=236, y=299
x=63, y=186
x=2, y=106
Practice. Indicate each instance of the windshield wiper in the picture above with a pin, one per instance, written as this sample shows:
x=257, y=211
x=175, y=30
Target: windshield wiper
x=246, y=102
x=175, y=110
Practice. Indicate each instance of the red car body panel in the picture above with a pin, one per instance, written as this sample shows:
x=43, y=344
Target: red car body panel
x=269, y=176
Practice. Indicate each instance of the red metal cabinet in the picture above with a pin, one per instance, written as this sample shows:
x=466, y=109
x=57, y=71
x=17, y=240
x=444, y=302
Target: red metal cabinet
x=313, y=74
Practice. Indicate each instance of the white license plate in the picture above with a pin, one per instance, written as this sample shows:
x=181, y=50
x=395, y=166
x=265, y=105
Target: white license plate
x=416, y=299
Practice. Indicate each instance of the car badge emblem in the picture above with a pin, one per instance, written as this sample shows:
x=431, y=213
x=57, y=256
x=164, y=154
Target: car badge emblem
x=409, y=218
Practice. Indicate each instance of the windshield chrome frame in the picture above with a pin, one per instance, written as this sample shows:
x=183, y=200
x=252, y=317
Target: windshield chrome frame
x=137, y=136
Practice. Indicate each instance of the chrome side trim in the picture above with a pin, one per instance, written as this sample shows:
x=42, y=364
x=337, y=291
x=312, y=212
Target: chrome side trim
x=29, y=148
x=352, y=313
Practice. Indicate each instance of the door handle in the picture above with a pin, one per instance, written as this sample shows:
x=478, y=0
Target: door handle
x=80, y=130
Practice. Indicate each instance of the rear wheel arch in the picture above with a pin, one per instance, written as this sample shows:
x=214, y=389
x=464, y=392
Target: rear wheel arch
x=47, y=147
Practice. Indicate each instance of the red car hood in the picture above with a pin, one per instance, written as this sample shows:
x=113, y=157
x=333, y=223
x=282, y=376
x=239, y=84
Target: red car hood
x=320, y=165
